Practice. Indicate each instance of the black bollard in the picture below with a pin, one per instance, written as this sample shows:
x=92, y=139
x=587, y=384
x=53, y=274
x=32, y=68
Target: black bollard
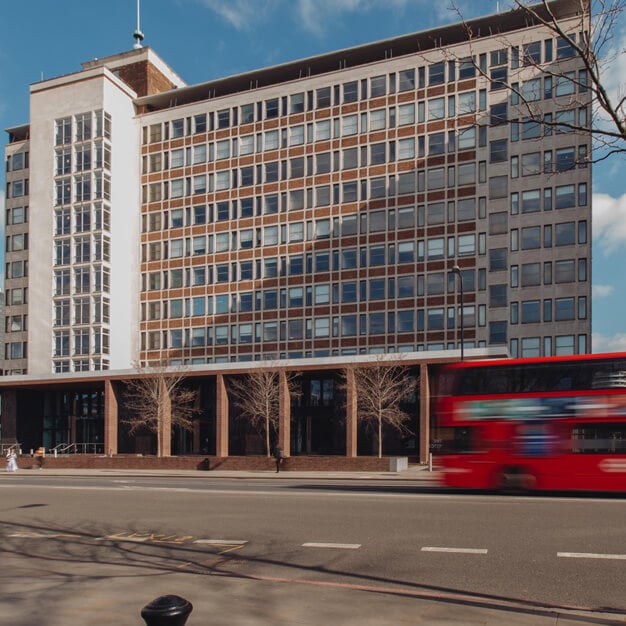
x=167, y=611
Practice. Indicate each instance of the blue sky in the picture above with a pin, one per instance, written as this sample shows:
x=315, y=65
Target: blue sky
x=206, y=39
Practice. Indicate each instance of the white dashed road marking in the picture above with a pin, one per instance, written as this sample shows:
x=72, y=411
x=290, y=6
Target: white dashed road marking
x=457, y=550
x=222, y=542
x=591, y=555
x=339, y=546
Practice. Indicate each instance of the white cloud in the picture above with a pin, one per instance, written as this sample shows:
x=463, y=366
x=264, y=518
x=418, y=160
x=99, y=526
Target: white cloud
x=609, y=222
x=602, y=291
x=315, y=14
x=241, y=14
x=608, y=343
x=311, y=15
x=613, y=70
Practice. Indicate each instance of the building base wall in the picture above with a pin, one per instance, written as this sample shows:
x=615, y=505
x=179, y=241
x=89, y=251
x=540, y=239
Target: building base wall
x=207, y=463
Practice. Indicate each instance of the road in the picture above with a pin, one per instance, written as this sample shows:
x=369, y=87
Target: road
x=304, y=552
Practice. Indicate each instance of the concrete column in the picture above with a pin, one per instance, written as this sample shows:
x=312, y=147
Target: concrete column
x=284, y=417
x=221, y=417
x=111, y=418
x=165, y=423
x=351, y=414
x=424, y=414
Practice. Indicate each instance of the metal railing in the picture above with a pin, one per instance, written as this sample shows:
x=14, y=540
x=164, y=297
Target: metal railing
x=5, y=447
x=77, y=448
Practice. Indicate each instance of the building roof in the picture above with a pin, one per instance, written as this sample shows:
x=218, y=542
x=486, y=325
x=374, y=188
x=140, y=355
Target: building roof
x=394, y=47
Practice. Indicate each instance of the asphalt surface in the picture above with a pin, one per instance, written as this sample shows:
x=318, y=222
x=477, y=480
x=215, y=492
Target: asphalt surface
x=83, y=595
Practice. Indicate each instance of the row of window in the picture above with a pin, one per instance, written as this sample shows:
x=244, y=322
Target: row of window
x=17, y=161
x=374, y=255
x=561, y=345
x=15, y=323
x=17, y=188
x=557, y=310
x=82, y=249
x=82, y=127
x=80, y=365
x=83, y=218
x=346, y=292
x=86, y=280
x=81, y=311
x=82, y=341
x=96, y=186
x=16, y=215
x=377, y=86
x=353, y=325
x=86, y=156
x=533, y=200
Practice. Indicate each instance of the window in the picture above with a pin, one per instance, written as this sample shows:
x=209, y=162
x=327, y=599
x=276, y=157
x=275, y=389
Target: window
x=378, y=86
x=564, y=49
x=467, y=138
x=498, y=151
x=565, y=234
x=531, y=90
x=467, y=69
x=406, y=80
x=564, y=309
x=350, y=92
x=497, y=259
x=565, y=271
x=498, y=114
x=531, y=129
x=378, y=119
x=565, y=196
x=531, y=201
x=498, y=296
x=406, y=114
x=498, y=78
x=436, y=109
x=178, y=128
x=498, y=187
x=436, y=73
x=531, y=274
x=437, y=143
x=565, y=84
x=531, y=164
x=531, y=237
x=565, y=159
x=497, y=332
x=531, y=311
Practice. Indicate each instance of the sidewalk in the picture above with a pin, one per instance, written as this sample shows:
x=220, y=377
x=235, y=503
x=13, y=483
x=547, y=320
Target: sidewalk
x=414, y=473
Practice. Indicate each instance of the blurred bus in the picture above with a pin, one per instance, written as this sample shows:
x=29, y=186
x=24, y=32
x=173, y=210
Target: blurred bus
x=525, y=424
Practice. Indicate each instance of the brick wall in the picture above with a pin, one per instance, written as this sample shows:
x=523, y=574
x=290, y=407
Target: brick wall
x=242, y=463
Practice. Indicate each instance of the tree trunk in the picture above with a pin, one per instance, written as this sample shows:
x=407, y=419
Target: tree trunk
x=267, y=436
x=380, y=437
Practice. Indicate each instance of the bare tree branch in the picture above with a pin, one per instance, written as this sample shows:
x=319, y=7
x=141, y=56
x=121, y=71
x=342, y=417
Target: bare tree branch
x=158, y=399
x=257, y=397
x=573, y=78
x=381, y=389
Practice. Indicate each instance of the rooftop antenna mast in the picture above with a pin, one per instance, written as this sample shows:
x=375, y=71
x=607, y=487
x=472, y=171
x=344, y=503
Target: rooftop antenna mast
x=138, y=35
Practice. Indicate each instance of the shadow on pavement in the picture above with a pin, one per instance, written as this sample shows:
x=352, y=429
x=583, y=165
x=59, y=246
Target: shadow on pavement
x=53, y=554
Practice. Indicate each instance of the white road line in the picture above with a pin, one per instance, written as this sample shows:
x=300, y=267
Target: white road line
x=222, y=542
x=459, y=550
x=591, y=555
x=339, y=546
x=35, y=535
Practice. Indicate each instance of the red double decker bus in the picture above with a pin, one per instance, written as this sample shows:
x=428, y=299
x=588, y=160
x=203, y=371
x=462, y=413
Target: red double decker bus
x=547, y=423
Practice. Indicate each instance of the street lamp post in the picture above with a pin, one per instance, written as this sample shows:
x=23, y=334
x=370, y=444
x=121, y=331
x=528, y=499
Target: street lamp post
x=457, y=270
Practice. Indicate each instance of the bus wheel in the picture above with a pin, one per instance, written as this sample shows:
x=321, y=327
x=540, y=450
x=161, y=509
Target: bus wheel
x=514, y=479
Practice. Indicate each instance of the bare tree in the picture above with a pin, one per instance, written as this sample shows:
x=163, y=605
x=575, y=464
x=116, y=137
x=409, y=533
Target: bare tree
x=581, y=69
x=257, y=396
x=380, y=391
x=158, y=400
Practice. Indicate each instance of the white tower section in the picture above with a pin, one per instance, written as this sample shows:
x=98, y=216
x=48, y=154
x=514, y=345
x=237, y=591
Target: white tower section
x=84, y=223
